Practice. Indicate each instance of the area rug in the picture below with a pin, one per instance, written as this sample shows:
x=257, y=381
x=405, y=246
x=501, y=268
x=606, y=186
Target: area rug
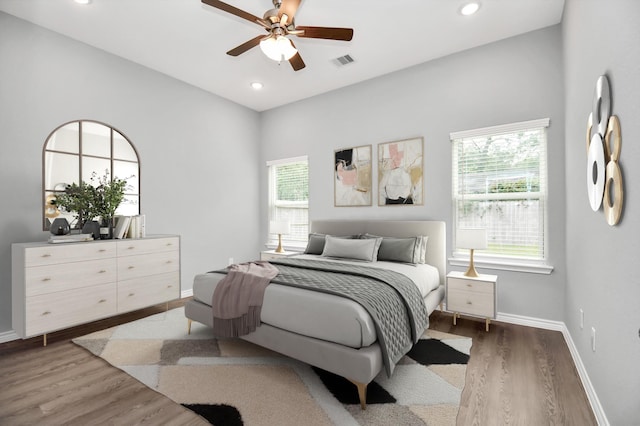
x=231, y=382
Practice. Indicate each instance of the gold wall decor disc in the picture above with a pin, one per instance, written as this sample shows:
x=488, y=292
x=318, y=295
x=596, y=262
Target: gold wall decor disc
x=613, y=208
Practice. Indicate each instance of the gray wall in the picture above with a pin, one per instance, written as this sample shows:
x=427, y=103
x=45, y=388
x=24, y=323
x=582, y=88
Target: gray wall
x=192, y=146
x=602, y=278
x=513, y=80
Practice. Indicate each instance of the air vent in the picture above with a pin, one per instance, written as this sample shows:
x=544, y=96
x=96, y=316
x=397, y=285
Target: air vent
x=343, y=60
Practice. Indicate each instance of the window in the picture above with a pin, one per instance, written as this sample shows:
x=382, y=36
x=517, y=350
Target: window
x=500, y=184
x=289, y=197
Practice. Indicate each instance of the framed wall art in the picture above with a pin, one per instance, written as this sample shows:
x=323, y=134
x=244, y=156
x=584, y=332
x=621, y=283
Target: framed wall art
x=352, y=176
x=400, y=172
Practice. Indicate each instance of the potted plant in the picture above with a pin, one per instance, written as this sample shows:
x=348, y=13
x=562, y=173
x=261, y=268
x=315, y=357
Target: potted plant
x=100, y=198
x=108, y=196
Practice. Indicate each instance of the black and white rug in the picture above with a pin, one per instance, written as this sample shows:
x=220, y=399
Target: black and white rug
x=232, y=382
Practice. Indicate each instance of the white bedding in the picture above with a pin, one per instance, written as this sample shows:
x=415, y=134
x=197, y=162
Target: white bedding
x=320, y=315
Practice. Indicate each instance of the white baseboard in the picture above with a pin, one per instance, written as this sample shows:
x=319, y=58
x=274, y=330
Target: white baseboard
x=598, y=411
x=8, y=336
x=186, y=293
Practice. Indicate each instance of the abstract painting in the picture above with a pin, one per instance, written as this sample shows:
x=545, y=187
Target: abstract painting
x=400, y=172
x=352, y=176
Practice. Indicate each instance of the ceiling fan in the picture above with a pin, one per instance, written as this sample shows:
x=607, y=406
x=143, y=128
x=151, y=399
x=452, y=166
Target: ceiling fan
x=279, y=23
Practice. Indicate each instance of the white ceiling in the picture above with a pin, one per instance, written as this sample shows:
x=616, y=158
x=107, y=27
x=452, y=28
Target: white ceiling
x=188, y=40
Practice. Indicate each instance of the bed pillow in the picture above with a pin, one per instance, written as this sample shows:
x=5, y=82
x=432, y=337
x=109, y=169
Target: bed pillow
x=315, y=244
x=357, y=249
x=405, y=250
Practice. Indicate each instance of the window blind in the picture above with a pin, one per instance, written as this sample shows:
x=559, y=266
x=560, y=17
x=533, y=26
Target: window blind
x=289, y=196
x=500, y=184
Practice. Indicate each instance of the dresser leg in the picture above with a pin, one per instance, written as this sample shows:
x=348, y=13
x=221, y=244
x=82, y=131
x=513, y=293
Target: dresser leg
x=44, y=340
x=487, y=322
x=454, y=318
x=189, y=326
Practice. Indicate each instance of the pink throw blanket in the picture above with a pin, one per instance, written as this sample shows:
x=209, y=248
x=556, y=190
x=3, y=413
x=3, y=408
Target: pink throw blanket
x=237, y=300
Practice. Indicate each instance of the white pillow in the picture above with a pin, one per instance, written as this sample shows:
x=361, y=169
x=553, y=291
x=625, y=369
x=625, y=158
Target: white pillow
x=365, y=249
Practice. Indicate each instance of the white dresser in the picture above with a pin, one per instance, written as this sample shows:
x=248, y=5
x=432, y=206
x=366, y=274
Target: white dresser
x=56, y=286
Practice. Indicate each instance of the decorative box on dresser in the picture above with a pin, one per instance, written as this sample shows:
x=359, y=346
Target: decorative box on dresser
x=475, y=296
x=56, y=286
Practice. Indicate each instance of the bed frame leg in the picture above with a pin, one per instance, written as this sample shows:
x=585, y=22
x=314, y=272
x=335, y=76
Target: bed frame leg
x=362, y=393
x=189, y=325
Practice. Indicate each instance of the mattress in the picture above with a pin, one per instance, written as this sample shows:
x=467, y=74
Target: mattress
x=320, y=315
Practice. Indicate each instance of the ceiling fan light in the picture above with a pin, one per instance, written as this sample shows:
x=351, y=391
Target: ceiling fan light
x=278, y=48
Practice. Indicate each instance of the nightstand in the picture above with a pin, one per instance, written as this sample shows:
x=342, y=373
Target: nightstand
x=475, y=296
x=273, y=255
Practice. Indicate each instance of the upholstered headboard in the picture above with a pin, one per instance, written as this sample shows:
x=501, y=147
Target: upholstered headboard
x=436, y=230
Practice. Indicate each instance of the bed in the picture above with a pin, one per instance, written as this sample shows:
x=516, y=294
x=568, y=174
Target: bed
x=326, y=330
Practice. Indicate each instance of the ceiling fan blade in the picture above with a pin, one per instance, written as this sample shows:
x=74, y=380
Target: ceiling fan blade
x=329, y=33
x=296, y=60
x=245, y=46
x=232, y=10
x=289, y=8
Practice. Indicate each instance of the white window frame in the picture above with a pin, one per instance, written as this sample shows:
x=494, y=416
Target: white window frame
x=460, y=257
x=288, y=241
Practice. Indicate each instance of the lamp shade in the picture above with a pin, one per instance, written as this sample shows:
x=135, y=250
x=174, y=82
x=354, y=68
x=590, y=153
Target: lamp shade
x=279, y=227
x=278, y=48
x=471, y=238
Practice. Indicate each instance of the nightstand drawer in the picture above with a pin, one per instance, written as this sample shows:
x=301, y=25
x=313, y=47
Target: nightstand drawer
x=476, y=286
x=480, y=304
x=272, y=255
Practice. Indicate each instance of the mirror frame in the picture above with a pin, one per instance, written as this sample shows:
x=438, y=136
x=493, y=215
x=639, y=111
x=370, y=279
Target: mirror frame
x=46, y=192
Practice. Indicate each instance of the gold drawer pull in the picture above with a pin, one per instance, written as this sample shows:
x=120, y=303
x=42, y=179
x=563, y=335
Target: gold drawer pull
x=169, y=286
x=469, y=285
x=131, y=294
x=168, y=261
x=469, y=302
x=130, y=247
x=169, y=244
x=102, y=300
x=46, y=279
x=46, y=313
x=131, y=267
x=102, y=271
x=46, y=255
x=102, y=250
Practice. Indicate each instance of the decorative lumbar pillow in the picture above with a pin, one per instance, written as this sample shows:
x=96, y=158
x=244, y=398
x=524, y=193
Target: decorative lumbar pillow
x=315, y=245
x=357, y=249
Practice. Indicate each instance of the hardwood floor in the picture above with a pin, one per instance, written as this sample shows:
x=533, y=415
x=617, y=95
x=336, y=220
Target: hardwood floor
x=516, y=376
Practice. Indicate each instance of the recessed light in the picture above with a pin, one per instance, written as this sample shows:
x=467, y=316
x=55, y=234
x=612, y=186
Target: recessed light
x=470, y=8
x=256, y=85
x=82, y=1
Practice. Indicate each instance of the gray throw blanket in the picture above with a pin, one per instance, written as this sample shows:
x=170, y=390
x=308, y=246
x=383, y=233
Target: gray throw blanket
x=237, y=299
x=392, y=299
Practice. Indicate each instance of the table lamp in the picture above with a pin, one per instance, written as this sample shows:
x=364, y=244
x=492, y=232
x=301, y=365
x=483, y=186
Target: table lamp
x=472, y=239
x=279, y=227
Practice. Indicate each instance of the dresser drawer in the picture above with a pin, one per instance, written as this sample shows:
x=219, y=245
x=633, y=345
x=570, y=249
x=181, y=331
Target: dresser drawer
x=51, y=254
x=480, y=304
x=130, y=267
x=135, y=247
x=475, y=286
x=67, y=276
x=49, y=312
x=140, y=292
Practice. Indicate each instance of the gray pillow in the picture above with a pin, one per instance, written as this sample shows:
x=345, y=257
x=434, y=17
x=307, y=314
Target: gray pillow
x=399, y=250
x=315, y=244
x=357, y=249
x=405, y=250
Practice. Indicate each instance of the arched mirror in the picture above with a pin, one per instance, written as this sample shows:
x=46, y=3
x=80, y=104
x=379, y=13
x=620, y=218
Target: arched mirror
x=76, y=151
